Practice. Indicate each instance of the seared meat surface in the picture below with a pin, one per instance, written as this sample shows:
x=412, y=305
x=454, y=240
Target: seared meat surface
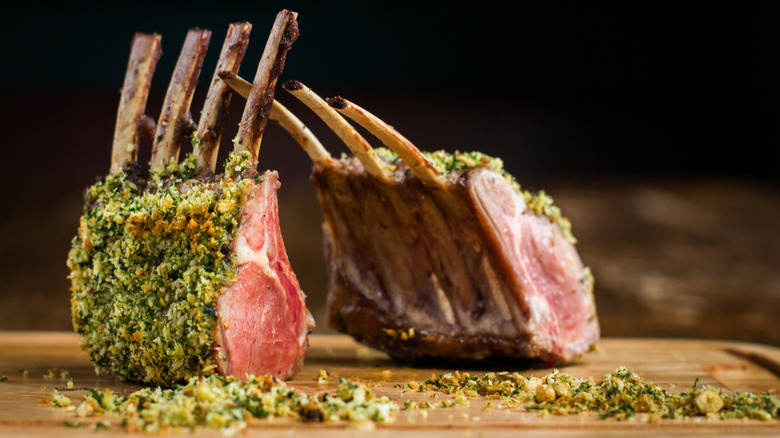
x=466, y=271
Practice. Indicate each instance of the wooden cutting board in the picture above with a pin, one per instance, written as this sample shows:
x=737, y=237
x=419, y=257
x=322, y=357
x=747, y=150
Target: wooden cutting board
x=673, y=364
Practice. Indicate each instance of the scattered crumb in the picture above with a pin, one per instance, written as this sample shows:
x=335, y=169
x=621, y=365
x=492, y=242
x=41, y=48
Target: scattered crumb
x=322, y=376
x=75, y=424
x=621, y=395
x=227, y=403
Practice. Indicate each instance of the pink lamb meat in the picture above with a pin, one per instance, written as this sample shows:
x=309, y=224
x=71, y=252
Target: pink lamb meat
x=264, y=321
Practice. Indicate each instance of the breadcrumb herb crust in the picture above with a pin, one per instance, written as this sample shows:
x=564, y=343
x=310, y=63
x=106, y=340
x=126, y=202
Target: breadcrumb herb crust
x=150, y=260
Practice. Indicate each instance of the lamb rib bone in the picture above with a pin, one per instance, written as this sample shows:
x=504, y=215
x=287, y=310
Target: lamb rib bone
x=354, y=141
x=144, y=53
x=409, y=153
x=212, y=118
x=285, y=118
x=175, y=124
x=259, y=102
x=418, y=164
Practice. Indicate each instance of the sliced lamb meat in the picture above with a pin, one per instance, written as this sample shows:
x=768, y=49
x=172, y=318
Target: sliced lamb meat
x=442, y=255
x=264, y=322
x=178, y=271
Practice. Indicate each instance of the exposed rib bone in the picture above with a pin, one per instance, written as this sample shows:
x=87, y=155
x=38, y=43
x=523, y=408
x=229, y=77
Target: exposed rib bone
x=258, y=104
x=286, y=119
x=175, y=122
x=237, y=84
x=212, y=118
x=144, y=54
x=346, y=132
x=418, y=164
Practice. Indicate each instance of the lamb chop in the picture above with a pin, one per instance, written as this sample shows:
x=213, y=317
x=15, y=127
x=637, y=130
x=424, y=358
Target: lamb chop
x=179, y=271
x=442, y=255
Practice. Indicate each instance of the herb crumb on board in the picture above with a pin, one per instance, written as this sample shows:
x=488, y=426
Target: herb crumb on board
x=228, y=403
x=621, y=395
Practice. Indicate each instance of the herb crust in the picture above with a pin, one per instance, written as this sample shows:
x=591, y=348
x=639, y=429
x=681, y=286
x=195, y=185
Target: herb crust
x=148, y=264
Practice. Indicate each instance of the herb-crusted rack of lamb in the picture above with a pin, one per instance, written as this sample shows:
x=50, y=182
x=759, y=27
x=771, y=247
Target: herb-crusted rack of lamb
x=180, y=271
x=442, y=255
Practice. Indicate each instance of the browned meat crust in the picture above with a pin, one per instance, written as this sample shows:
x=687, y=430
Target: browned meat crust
x=413, y=272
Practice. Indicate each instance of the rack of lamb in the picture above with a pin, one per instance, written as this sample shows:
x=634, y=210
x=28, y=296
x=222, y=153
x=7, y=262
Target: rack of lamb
x=442, y=255
x=179, y=271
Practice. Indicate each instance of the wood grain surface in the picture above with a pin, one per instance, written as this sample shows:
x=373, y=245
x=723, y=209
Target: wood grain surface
x=673, y=364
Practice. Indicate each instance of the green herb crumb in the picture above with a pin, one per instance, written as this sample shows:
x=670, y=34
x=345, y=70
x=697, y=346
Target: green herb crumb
x=102, y=425
x=228, y=403
x=75, y=424
x=322, y=376
x=621, y=395
x=59, y=400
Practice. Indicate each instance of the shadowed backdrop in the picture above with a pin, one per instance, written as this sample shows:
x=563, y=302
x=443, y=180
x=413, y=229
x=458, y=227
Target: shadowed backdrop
x=653, y=125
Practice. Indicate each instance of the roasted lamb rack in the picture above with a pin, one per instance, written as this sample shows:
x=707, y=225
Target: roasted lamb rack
x=179, y=271
x=442, y=255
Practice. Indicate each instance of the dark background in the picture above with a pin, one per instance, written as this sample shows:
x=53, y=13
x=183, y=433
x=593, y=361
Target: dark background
x=630, y=110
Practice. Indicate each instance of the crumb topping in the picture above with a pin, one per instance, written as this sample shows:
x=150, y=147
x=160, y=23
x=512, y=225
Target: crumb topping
x=150, y=260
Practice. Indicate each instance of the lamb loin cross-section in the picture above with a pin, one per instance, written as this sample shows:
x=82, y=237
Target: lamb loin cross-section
x=265, y=322
x=178, y=271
